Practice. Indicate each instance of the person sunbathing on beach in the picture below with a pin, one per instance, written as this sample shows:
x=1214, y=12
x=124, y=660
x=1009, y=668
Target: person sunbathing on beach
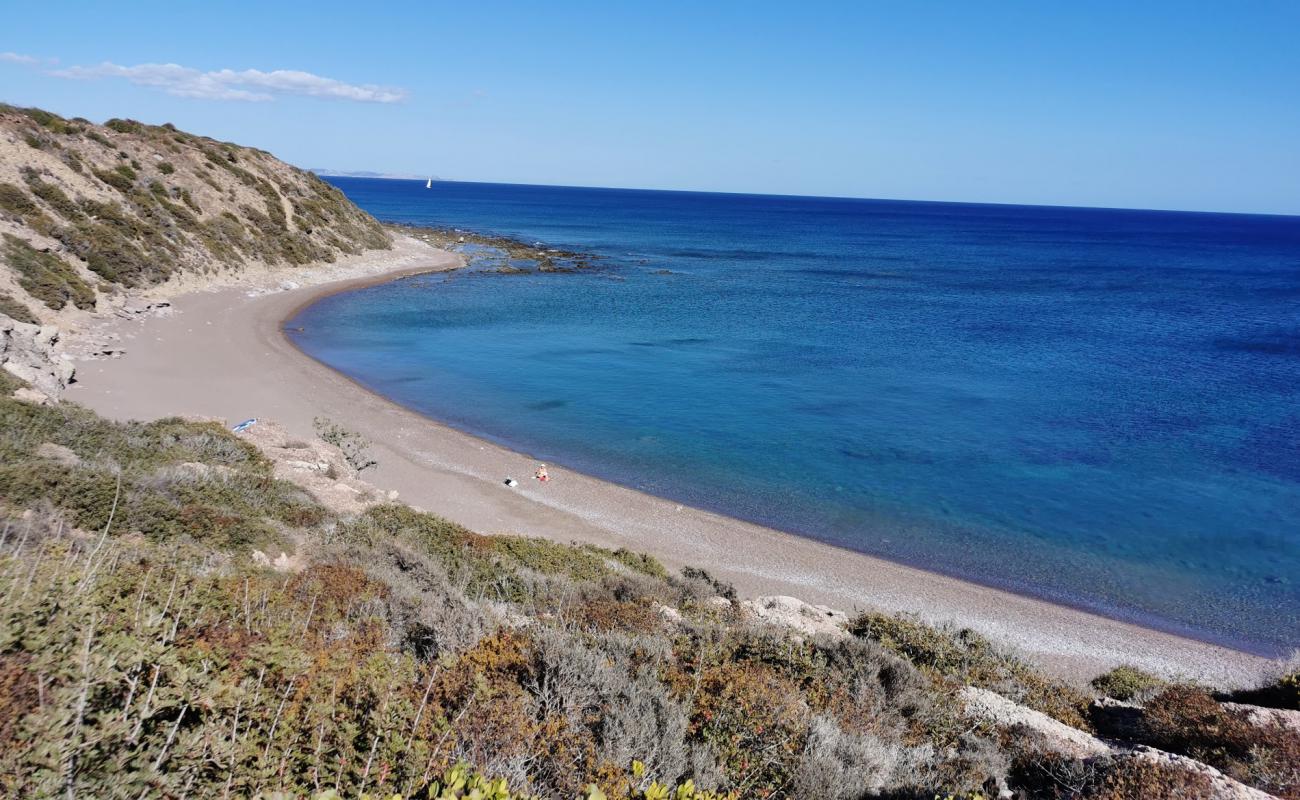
x=541, y=474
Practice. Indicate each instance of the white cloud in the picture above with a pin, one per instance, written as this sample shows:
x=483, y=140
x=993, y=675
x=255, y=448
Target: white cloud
x=18, y=58
x=250, y=85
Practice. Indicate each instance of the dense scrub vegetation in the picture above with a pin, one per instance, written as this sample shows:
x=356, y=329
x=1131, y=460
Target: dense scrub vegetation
x=143, y=652
x=16, y=310
x=963, y=657
x=45, y=276
x=1127, y=683
x=166, y=479
x=1187, y=720
x=133, y=204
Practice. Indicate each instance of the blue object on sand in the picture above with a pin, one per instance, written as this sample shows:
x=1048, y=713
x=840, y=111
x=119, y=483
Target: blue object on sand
x=245, y=425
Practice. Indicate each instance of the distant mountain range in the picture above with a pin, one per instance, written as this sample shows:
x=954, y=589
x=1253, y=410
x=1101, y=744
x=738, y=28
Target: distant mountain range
x=343, y=173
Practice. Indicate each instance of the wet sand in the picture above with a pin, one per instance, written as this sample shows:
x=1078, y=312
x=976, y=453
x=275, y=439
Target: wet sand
x=223, y=353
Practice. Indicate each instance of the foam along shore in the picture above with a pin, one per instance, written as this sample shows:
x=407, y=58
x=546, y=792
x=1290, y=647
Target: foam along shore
x=222, y=352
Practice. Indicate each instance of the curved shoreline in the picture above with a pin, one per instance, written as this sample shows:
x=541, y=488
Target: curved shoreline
x=247, y=367
x=554, y=460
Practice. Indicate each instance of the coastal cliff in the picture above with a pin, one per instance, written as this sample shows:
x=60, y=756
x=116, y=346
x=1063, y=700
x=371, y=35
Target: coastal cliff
x=91, y=215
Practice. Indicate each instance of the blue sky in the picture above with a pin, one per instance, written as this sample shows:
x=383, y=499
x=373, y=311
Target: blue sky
x=1183, y=105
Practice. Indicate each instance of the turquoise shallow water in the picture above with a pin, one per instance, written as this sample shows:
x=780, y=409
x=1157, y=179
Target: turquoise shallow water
x=1095, y=407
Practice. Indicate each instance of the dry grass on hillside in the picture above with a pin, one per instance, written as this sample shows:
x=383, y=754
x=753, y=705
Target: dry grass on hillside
x=87, y=209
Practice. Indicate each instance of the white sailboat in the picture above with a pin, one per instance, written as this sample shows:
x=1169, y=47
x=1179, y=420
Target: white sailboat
x=428, y=184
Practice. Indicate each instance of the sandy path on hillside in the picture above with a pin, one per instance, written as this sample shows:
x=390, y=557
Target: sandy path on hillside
x=222, y=354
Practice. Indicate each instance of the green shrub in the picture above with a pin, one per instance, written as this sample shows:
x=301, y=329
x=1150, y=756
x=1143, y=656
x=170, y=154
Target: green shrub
x=180, y=215
x=353, y=444
x=1187, y=720
x=15, y=200
x=231, y=512
x=133, y=246
x=146, y=445
x=223, y=236
x=967, y=657
x=53, y=195
x=43, y=118
x=1126, y=683
x=461, y=781
x=121, y=177
x=639, y=562
x=124, y=126
x=484, y=565
x=108, y=253
x=496, y=565
x=188, y=200
x=1288, y=690
x=16, y=310
x=51, y=122
x=549, y=558
x=132, y=473
x=439, y=536
x=166, y=167
x=203, y=661
x=719, y=587
x=755, y=719
x=273, y=242
x=45, y=276
x=143, y=659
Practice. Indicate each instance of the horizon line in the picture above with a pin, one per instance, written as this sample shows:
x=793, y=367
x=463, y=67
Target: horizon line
x=393, y=177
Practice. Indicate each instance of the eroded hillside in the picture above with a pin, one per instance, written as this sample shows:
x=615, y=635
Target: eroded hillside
x=90, y=210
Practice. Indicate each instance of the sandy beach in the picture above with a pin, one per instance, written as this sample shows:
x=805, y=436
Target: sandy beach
x=221, y=352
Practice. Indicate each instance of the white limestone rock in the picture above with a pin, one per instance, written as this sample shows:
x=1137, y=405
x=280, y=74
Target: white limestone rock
x=793, y=613
x=34, y=354
x=981, y=704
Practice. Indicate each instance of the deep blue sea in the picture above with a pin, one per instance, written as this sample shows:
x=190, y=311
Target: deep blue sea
x=1097, y=407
